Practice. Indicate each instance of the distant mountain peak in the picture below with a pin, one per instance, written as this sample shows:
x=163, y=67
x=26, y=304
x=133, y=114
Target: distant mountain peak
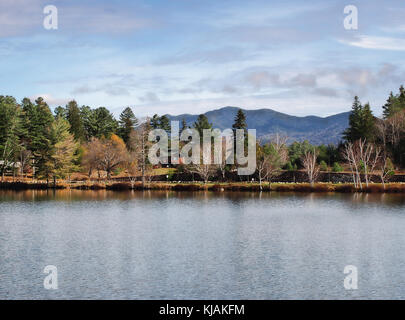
x=267, y=122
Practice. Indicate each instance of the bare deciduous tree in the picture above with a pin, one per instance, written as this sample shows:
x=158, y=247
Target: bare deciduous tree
x=362, y=158
x=132, y=168
x=368, y=154
x=395, y=127
x=310, y=165
x=140, y=145
x=386, y=169
x=352, y=159
x=205, y=171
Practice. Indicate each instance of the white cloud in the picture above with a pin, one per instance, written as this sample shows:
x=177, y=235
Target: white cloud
x=50, y=100
x=379, y=43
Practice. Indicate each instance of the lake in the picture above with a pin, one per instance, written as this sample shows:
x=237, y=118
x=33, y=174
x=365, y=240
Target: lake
x=202, y=245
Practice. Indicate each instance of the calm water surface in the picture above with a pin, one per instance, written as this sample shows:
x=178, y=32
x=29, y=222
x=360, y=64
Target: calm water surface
x=168, y=245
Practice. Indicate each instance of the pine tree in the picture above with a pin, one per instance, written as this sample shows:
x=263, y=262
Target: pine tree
x=401, y=96
x=164, y=123
x=387, y=107
x=60, y=112
x=37, y=124
x=127, y=123
x=394, y=104
x=201, y=124
x=240, y=120
x=86, y=116
x=183, y=125
x=240, y=123
x=10, y=127
x=155, y=122
x=101, y=123
x=361, y=123
x=75, y=121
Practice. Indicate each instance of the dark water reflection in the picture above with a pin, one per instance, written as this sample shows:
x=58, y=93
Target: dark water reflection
x=190, y=245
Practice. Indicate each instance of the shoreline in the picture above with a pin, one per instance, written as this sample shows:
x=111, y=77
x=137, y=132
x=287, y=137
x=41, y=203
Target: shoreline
x=210, y=186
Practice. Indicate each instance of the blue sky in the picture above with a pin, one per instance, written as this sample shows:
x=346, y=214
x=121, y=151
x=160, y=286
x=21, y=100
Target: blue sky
x=186, y=56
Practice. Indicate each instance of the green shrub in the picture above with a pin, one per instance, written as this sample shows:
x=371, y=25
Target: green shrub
x=289, y=166
x=323, y=166
x=117, y=171
x=337, y=167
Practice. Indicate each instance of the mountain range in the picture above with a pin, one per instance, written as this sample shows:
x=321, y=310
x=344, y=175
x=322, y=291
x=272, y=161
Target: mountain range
x=267, y=122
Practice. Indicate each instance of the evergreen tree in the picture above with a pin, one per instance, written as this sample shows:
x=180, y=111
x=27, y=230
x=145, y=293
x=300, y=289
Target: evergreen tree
x=37, y=124
x=401, y=96
x=164, y=123
x=60, y=112
x=183, y=125
x=86, y=116
x=127, y=123
x=75, y=121
x=394, y=104
x=361, y=123
x=10, y=127
x=155, y=122
x=101, y=123
x=201, y=124
x=240, y=121
x=387, y=107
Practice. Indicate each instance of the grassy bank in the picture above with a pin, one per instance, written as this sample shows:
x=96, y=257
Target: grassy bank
x=216, y=187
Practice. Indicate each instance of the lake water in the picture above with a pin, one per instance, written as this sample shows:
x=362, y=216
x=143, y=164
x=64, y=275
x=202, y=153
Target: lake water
x=168, y=245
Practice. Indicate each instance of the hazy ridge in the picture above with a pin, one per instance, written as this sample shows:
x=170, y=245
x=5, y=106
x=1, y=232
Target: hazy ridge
x=267, y=122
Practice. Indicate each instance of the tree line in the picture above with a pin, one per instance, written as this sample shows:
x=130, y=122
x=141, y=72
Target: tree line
x=53, y=145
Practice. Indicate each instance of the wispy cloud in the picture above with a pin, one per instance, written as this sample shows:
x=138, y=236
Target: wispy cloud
x=394, y=29
x=17, y=17
x=379, y=43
